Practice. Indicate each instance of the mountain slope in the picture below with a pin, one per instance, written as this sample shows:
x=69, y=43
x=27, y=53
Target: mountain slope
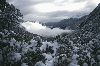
x=71, y=23
x=83, y=44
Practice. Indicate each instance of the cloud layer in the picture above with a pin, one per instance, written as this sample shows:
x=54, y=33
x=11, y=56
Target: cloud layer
x=41, y=30
x=51, y=10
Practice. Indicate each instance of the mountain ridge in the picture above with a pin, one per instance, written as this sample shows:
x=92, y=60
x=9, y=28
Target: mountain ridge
x=71, y=23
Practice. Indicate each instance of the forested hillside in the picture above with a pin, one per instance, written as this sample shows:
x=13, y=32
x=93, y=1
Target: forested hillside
x=71, y=23
x=83, y=46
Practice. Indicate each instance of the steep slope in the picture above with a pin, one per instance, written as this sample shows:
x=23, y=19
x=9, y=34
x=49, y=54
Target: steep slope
x=84, y=43
x=16, y=44
x=90, y=34
x=90, y=28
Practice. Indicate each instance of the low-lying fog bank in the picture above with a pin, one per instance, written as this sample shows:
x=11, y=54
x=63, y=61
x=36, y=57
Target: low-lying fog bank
x=39, y=29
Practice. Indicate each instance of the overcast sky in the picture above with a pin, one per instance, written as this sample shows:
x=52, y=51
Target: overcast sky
x=53, y=10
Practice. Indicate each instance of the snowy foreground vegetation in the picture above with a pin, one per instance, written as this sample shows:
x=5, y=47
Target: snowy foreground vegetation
x=19, y=47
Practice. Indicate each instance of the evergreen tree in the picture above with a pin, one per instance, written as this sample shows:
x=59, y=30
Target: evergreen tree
x=9, y=15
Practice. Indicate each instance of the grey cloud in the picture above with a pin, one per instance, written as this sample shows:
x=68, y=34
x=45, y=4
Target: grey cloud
x=75, y=1
x=31, y=14
x=65, y=14
x=79, y=0
x=24, y=5
x=55, y=16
